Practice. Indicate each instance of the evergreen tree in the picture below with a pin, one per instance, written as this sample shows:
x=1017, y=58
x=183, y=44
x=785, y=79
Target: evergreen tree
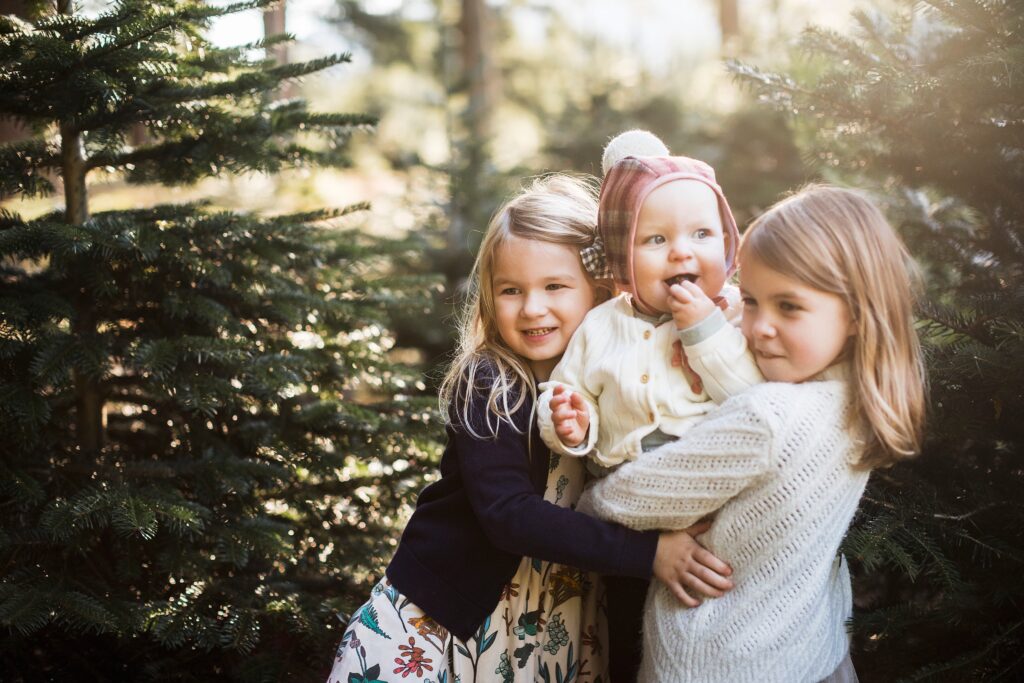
x=927, y=109
x=204, y=446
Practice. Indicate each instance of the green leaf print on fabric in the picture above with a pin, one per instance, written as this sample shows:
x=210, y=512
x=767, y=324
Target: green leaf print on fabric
x=553, y=462
x=393, y=596
x=483, y=639
x=369, y=677
x=529, y=624
x=571, y=669
x=368, y=617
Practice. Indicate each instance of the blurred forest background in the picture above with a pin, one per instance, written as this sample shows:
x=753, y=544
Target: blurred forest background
x=228, y=264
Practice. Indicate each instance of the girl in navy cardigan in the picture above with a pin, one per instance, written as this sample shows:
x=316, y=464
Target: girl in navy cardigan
x=484, y=585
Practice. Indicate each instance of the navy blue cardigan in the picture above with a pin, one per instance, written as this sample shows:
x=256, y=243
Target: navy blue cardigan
x=472, y=527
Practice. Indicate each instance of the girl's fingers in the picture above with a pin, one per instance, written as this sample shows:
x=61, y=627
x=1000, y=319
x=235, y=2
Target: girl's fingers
x=712, y=579
x=681, y=595
x=695, y=585
x=707, y=559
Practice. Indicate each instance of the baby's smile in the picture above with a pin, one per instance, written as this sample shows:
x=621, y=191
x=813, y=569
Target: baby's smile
x=678, y=279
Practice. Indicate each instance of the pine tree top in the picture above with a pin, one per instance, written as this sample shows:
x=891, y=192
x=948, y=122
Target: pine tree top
x=147, y=65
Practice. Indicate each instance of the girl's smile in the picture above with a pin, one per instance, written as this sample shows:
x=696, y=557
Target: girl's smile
x=541, y=295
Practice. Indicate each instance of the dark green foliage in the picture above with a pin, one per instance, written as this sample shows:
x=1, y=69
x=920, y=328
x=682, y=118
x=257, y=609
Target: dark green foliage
x=926, y=109
x=257, y=444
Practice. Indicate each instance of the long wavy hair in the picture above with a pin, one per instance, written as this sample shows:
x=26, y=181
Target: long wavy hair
x=559, y=209
x=836, y=240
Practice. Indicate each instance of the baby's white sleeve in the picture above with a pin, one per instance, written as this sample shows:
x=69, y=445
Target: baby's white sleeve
x=723, y=362
x=675, y=485
x=569, y=373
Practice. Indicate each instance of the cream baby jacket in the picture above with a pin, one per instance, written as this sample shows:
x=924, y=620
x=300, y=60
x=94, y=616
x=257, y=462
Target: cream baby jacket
x=622, y=366
x=775, y=463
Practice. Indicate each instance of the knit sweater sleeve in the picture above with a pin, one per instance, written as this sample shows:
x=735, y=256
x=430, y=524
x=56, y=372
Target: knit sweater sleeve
x=677, y=484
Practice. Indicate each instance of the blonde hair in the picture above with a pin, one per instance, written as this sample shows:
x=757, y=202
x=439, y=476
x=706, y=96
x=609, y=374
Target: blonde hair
x=836, y=240
x=559, y=209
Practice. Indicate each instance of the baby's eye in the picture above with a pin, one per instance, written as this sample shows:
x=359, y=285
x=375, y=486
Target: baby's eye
x=702, y=234
x=655, y=239
x=788, y=307
x=749, y=301
x=554, y=286
x=509, y=291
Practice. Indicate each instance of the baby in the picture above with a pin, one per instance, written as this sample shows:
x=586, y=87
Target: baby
x=647, y=365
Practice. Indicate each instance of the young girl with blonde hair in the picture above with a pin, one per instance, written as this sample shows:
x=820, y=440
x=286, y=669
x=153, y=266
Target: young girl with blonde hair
x=828, y=296
x=483, y=586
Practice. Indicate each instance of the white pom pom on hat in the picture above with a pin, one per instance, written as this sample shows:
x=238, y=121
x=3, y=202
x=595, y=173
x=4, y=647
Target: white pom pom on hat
x=632, y=143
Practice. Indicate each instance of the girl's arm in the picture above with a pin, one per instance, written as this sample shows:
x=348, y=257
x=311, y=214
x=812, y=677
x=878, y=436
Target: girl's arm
x=679, y=483
x=516, y=519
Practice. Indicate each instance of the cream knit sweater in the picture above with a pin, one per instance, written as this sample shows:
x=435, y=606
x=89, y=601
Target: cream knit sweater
x=775, y=463
x=621, y=365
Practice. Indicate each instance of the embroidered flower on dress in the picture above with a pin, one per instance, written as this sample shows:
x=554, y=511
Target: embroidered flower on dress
x=415, y=662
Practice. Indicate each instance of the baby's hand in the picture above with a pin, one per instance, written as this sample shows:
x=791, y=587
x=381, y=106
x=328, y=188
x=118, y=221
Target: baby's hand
x=570, y=416
x=689, y=304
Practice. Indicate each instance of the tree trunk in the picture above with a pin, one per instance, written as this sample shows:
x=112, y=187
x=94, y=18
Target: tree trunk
x=88, y=396
x=476, y=26
x=729, y=20
x=274, y=24
x=478, y=76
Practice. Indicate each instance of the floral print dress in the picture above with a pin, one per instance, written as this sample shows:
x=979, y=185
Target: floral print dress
x=549, y=625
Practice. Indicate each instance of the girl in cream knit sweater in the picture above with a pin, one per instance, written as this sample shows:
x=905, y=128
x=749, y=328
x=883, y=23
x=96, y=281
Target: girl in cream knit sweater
x=828, y=313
